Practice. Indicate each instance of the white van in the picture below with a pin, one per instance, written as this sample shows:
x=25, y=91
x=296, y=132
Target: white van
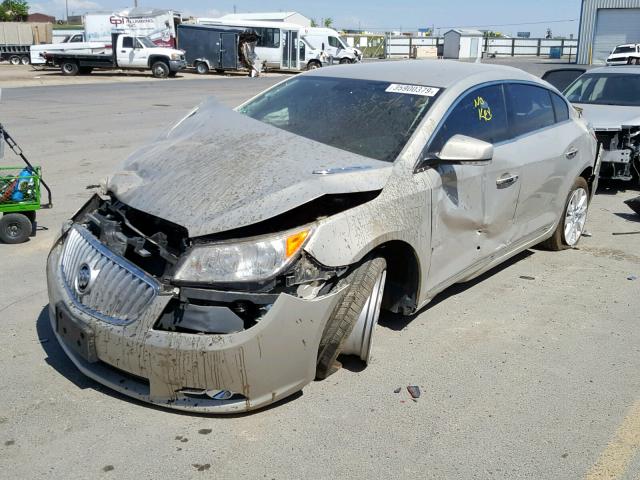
x=329, y=41
x=281, y=45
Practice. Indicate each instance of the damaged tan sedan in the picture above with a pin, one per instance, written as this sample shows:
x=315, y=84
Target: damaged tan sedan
x=231, y=261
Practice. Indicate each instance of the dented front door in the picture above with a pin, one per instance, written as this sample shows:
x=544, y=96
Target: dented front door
x=473, y=206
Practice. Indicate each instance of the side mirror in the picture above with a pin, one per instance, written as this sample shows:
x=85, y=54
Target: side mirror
x=460, y=150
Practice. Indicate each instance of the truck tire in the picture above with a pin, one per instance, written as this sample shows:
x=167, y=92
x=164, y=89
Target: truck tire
x=69, y=68
x=345, y=60
x=313, y=65
x=160, y=69
x=361, y=283
x=574, y=216
x=14, y=60
x=24, y=60
x=202, y=68
x=15, y=228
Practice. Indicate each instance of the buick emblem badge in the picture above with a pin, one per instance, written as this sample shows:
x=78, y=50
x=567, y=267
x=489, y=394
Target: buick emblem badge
x=83, y=279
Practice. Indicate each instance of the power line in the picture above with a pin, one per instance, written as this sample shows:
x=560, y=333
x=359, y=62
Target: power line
x=546, y=22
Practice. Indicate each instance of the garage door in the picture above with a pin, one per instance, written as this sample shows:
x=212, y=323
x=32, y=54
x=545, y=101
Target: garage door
x=615, y=27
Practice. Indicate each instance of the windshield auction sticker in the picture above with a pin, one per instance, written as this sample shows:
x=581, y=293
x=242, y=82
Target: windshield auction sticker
x=412, y=90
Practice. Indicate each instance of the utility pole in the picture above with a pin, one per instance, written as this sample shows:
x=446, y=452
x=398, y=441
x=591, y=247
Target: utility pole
x=66, y=10
x=135, y=3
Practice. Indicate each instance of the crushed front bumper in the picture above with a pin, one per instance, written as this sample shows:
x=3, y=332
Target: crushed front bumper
x=177, y=65
x=264, y=364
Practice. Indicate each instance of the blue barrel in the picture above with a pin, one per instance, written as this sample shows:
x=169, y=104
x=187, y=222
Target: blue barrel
x=555, y=52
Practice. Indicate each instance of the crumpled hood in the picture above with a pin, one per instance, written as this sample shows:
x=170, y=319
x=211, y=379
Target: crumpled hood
x=219, y=170
x=610, y=117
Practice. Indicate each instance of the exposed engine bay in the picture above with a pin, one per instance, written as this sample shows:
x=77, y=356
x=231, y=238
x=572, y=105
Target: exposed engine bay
x=621, y=153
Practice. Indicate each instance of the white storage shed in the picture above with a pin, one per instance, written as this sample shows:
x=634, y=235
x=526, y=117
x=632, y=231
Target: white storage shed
x=463, y=44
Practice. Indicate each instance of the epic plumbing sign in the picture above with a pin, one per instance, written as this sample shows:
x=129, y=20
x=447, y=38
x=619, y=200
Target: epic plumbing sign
x=159, y=28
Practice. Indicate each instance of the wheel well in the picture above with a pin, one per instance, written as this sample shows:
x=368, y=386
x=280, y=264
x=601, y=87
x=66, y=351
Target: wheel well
x=315, y=62
x=403, y=277
x=158, y=58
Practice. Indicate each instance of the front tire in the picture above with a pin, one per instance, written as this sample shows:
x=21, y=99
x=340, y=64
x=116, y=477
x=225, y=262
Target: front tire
x=364, y=291
x=24, y=60
x=160, y=69
x=344, y=61
x=313, y=65
x=15, y=228
x=574, y=216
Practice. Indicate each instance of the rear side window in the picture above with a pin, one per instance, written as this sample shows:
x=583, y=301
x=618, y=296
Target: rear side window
x=530, y=108
x=480, y=114
x=561, y=108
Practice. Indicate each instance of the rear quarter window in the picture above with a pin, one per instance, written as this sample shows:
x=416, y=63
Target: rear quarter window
x=560, y=107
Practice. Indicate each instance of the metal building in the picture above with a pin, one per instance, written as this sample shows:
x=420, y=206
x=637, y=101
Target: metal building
x=605, y=24
x=463, y=44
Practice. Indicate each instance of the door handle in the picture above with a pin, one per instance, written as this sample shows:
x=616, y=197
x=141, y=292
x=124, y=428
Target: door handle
x=506, y=180
x=571, y=153
x=123, y=51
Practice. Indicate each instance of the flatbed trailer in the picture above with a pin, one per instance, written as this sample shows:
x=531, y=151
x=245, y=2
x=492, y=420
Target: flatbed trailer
x=15, y=54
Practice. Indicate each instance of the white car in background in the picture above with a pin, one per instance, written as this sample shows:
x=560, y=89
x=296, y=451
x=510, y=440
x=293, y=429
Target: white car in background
x=625, y=55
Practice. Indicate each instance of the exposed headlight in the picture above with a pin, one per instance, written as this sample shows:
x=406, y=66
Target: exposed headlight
x=176, y=56
x=258, y=259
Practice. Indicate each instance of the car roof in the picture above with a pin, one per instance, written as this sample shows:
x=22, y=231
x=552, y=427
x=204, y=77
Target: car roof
x=630, y=69
x=433, y=73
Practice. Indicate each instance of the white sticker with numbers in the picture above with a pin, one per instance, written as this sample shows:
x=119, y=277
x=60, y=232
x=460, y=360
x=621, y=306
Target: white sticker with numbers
x=413, y=90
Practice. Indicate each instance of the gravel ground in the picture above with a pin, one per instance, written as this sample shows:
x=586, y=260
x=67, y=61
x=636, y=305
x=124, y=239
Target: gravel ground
x=532, y=371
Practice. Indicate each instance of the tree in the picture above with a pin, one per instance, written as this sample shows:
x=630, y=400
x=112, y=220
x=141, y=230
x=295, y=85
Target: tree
x=328, y=22
x=14, y=10
x=314, y=24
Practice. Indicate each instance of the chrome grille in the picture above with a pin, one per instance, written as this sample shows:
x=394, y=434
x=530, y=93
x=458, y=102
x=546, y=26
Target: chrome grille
x=115, y=290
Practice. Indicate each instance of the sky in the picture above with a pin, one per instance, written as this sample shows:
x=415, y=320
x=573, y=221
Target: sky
x=506, y=16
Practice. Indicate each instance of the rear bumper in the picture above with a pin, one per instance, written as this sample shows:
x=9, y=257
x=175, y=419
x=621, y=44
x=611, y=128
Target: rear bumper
x=262, y=365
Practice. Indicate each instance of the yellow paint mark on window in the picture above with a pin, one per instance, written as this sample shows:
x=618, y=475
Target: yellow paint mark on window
x=615, y=459
x=483, y=108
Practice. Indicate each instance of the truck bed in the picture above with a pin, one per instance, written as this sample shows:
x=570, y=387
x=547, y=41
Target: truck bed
x=103, y=60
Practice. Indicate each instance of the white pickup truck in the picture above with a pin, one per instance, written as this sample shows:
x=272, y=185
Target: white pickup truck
x=128, y=52
x=628, y=54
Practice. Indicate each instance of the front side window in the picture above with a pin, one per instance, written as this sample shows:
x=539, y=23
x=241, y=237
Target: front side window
x=530, y=108
x=76, y=39
x=606, y=89
x=369, y=118
x=480, y=114
x=127, y=42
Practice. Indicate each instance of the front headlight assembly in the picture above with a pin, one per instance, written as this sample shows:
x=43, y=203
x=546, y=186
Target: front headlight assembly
x=253, y=260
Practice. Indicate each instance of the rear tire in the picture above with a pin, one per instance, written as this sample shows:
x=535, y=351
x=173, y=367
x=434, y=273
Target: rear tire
x=160, y=69
x=24, y=60
x=69, y=68
x=202, y=68
x=15, y=228
x=574, y=216
x=361, y=283
x=14, y=60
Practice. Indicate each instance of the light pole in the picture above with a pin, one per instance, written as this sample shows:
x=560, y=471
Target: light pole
x=66, y=11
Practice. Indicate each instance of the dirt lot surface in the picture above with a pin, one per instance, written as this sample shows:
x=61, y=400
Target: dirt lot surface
x=532, y=371
x=27, y=76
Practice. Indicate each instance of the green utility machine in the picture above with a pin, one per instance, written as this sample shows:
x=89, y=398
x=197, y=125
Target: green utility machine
x=20, y=195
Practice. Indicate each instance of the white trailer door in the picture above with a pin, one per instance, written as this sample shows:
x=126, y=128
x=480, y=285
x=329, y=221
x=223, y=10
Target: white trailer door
x=614, y=26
